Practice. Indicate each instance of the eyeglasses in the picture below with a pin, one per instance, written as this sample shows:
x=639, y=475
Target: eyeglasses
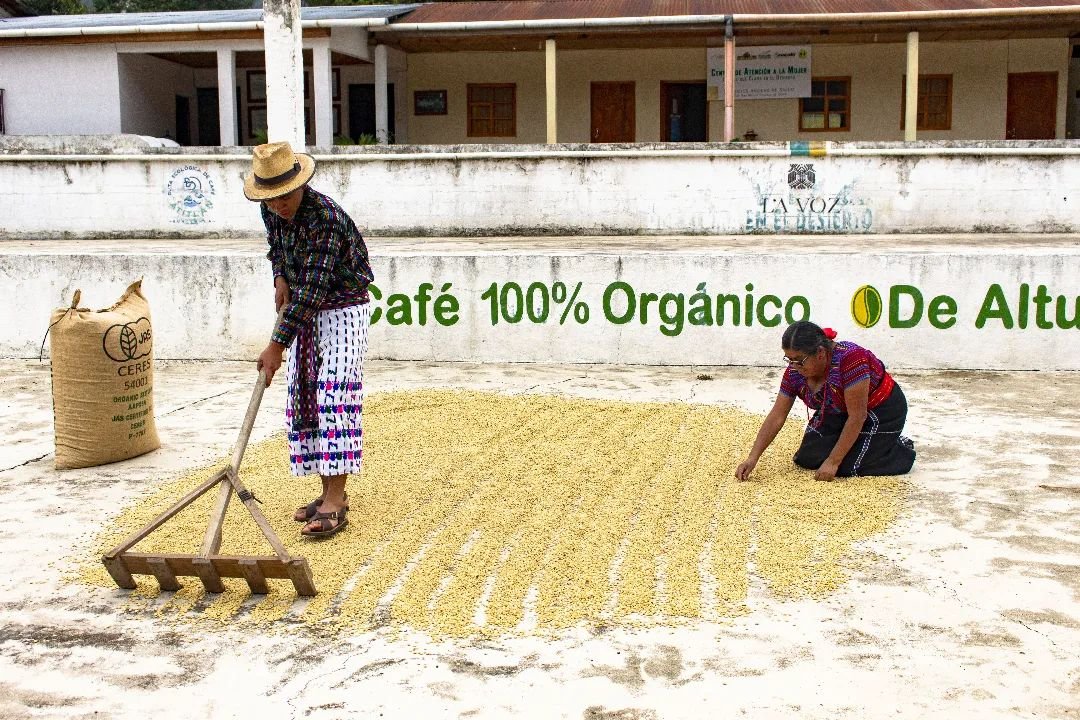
x=801, y=361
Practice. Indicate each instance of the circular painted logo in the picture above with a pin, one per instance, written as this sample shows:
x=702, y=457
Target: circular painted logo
x=190, y=194
x=866, y=306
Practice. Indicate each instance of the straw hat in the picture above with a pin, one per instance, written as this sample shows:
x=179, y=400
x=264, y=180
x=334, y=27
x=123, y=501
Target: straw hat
x=277, y=171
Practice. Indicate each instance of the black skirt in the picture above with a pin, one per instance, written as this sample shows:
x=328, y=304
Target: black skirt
x=880, y=449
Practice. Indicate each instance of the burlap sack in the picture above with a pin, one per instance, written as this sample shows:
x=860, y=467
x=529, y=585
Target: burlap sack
x=103, y=381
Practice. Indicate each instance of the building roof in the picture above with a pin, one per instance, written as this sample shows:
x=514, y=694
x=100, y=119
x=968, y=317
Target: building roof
x=576, y=24
x=516, y=10
x=521, y=24
x=208, y=18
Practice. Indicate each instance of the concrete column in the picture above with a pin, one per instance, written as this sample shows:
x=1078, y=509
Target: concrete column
x=382, y=123
x=549, y=66
x=729, y=84
x=226, y=82
x=283, y=45
x=323, y=97
x=911, y=95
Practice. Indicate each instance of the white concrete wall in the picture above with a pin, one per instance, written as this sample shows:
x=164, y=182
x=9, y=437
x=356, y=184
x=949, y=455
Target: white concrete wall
x=558, y=193
x=980, y=307
x=148, y=90
x=72, y=90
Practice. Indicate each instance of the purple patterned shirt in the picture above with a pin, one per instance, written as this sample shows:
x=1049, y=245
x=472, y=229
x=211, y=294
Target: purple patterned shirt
x=851, y=364
x=322, y=256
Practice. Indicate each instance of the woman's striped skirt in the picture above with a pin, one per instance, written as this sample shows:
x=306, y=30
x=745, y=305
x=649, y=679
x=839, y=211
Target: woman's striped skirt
x=336, y=446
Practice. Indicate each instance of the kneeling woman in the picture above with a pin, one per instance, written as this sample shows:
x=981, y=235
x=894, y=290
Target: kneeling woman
x=859, y=410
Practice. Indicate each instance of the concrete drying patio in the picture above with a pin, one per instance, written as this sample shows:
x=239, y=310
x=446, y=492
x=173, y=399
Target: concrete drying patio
x=969, y=606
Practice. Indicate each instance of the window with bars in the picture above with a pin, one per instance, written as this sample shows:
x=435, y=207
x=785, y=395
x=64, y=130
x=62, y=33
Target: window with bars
x=934, y=107
x=828, y=109
x=492, y=110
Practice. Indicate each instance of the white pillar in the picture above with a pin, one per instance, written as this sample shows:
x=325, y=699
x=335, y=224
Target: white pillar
x=729, y=86
x=382, y=124
x=226, y=82
x=911, y=96
x=324, y=108
x=549, y=66
x=283, y=44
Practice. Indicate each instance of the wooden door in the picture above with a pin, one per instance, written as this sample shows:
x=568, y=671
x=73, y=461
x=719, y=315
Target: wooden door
x=684, y=112
x=1031, y=109
x=612, y=112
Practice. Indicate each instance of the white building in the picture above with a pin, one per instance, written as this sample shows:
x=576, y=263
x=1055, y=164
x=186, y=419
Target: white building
x=553, y=71
x=197, y=77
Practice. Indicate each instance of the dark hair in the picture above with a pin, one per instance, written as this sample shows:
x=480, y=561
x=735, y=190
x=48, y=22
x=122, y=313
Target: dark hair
x=805, y=337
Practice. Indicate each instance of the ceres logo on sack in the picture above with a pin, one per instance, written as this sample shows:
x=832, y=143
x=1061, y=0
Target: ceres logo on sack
x=129, y=343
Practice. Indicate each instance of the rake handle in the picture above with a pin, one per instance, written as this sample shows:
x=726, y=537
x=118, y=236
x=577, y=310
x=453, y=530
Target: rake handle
x=252, y=412
x=249, y=422
x=212, y=538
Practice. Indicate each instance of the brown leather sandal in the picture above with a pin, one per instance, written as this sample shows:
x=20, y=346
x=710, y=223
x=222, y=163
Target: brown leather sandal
x=308, y=510
x=326, y=529
x=311, y=509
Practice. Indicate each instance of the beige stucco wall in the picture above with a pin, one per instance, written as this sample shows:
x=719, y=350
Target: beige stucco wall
x=453, y=71
x=979, y=70
x=576, y=69
x=647, y=68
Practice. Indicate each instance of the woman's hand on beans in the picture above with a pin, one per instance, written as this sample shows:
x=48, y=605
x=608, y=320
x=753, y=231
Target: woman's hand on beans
x=827, y=471
x=745, y=468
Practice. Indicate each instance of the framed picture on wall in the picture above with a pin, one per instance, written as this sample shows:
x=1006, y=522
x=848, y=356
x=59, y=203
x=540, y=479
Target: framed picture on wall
x=429, y=102
x=335, y=84
x=256, y=86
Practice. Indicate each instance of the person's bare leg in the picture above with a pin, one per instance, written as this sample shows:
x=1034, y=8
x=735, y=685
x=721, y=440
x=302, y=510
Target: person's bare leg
x=301, y=513
x=333, y=493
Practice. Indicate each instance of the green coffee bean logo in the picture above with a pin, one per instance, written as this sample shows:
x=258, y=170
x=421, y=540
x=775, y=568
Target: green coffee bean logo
x=866, y=306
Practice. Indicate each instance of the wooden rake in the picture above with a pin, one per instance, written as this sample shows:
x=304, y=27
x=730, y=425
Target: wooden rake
x=208, y=565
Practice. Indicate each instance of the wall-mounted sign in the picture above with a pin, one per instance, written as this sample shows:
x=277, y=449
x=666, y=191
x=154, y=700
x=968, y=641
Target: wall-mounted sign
x=429, y=102
x=765, y=72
